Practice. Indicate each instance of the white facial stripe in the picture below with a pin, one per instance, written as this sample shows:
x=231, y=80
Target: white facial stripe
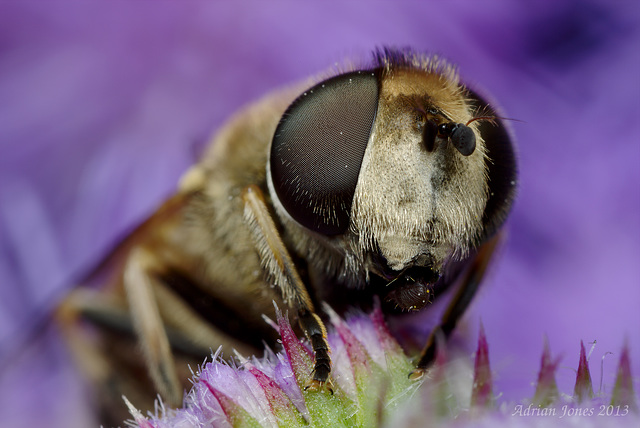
x=409, y=200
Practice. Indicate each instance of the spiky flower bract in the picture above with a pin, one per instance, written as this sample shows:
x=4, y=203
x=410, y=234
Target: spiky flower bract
x=371, y=388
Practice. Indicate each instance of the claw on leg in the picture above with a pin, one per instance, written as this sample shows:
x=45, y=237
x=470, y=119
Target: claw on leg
x=417, y=374
x=315, y=385
x=456, y=308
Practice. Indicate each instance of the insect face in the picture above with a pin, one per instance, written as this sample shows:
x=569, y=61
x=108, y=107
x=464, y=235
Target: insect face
x=376, y=165
x=391, y=180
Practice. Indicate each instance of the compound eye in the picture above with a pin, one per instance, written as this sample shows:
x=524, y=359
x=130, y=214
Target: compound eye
x=318, y=147
x=463, y=139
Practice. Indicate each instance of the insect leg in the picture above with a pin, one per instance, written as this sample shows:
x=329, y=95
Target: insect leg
x=85, y=352
x=471, y=280
x=106, y=357
x=282, y=271
x=187, y=330
x=317, y=334
x=139, y=282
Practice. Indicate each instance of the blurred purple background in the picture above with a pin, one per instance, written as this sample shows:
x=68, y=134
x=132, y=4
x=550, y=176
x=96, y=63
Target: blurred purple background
x=104, y=105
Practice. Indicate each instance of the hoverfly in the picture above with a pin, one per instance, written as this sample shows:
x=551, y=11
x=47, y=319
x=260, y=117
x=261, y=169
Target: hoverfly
x=392, y=180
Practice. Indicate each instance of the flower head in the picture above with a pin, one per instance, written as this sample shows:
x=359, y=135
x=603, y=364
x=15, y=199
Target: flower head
x=371, y=387
x=97, y=125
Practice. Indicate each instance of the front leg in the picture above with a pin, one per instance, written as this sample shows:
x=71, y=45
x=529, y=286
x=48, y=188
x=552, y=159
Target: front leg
x=314, y=330
x=455, y=310
x=283, y=273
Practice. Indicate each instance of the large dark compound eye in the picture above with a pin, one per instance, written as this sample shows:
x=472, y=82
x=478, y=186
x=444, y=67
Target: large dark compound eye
x=318, y=147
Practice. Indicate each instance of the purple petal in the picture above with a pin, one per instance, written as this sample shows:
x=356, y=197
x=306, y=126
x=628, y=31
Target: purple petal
x=280, y=405
x=286, y=379
x=241, y=387
x=208, y=408
x=389, y=344
x=356, y=353
x=235, y=413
